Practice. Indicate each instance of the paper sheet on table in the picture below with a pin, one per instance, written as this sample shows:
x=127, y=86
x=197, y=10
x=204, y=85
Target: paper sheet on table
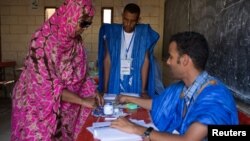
x=102, y=132
x=112, y=134
x=107, y=123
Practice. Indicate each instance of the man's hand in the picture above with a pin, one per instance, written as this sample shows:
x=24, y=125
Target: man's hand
x=122, y=99
x=124, y=125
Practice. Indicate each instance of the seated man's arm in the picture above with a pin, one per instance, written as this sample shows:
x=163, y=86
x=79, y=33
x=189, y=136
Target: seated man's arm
x=145, y=103
x=196, y=132
x=106, y=69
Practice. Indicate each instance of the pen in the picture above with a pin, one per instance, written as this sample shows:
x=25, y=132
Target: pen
x=110, y=118
x=102, y=127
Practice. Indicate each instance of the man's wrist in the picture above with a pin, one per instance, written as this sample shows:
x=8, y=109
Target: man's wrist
x=139, y=130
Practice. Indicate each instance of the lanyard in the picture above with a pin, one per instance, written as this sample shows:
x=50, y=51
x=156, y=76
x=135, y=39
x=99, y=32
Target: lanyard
x=127, y=48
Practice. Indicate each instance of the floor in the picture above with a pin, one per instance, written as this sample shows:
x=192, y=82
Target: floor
x=5, y=114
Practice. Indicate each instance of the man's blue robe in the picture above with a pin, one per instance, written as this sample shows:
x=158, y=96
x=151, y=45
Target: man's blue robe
x=213, y=106
x=110, y=35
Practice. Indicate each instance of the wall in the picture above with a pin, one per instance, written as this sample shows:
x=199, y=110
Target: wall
x=226, y=25
x=19, y=21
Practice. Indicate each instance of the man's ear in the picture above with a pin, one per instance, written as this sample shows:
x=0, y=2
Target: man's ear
x=185, y=59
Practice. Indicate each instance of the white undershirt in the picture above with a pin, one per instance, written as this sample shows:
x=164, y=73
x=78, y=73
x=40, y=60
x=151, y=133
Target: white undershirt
x=126, y=44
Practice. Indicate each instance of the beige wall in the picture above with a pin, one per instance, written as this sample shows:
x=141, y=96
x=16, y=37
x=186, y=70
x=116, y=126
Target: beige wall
x=19, y=21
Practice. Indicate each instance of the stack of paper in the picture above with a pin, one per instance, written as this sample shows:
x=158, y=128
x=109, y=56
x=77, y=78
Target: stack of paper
x=130, y=94
x=103, y=132
x=111, y=134
x=109, y=97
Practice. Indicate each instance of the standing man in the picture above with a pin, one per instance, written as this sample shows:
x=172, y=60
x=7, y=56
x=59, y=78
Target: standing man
x=188, y=106
x=125, y=55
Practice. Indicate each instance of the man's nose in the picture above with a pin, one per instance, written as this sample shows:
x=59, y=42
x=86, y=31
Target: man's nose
x=128, y=23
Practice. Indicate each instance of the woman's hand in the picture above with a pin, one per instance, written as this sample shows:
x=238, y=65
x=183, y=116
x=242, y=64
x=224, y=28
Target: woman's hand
x=93, y=102
x=99, y=99
x=89, y=102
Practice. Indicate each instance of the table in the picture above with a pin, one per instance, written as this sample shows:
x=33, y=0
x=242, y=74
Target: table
x=85, y=135
x=7, y=64
x=7, y=77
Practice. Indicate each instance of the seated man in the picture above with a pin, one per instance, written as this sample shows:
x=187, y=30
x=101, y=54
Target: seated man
x=125, y=55
x=188, y=106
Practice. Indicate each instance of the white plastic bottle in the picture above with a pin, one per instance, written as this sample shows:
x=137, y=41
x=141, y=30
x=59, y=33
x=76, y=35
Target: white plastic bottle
x=108, y=108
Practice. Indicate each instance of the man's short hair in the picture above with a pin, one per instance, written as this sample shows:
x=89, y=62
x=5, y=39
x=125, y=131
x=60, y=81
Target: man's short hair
x=193, y=44
x=132, y=8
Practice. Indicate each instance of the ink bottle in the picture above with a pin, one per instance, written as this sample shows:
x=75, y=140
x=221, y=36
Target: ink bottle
x=108, y=108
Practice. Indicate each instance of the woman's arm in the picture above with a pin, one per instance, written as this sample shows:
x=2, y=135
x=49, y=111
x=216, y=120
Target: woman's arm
x=74, y=98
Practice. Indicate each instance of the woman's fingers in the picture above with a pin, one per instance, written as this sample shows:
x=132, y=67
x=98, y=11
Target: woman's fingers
x=99, y=100
x=90, y=103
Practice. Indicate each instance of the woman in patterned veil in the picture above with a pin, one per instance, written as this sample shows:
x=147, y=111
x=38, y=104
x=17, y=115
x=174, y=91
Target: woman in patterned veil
x=54, y=95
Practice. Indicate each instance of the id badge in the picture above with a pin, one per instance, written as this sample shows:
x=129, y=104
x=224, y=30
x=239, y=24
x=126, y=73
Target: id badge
x=125, y=66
